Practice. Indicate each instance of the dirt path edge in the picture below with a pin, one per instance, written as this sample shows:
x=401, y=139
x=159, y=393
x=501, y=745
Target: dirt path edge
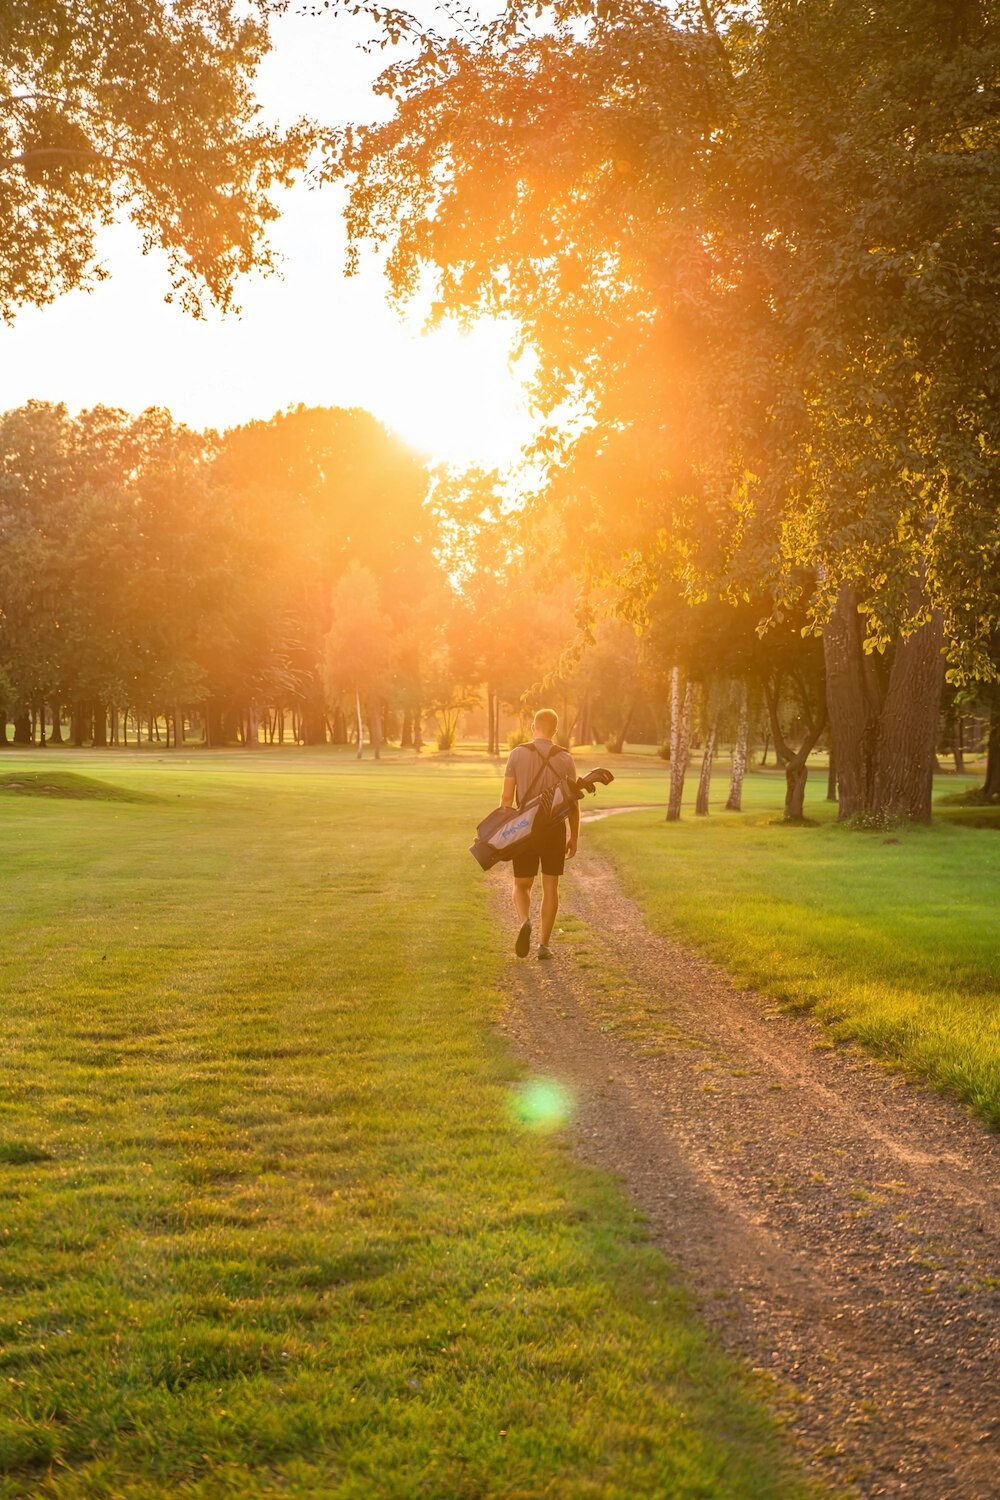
x=838, y=1224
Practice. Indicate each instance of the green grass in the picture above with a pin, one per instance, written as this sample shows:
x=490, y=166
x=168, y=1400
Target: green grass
x=890, y=939
x=279, y=1212
x=968, y=811
x=67, y=784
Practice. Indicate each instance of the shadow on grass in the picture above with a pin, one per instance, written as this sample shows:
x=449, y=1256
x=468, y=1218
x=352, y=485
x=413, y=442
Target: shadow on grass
x=969, y=810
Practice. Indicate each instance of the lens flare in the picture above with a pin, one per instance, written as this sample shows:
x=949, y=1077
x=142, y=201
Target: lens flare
x=542, y=1104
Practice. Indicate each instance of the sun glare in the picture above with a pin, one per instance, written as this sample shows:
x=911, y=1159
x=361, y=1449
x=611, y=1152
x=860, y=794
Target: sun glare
x=457, y=398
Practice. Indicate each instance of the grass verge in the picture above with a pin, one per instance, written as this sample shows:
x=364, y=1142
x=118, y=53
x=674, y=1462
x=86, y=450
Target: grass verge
x=888, y=938
x=270, y=1222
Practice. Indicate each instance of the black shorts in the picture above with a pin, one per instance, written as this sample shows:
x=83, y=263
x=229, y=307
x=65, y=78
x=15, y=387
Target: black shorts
x=550, y=853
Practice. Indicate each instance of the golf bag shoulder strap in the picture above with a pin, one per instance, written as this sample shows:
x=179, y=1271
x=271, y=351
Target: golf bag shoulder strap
x=541, y=770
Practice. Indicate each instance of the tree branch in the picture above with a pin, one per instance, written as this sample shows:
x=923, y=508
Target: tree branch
x=709, y=19
x=9, y=100
x=43, y=151
x=771, y=694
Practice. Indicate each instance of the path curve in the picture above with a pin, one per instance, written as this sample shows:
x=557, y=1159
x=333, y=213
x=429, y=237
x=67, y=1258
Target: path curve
x=839, y=1224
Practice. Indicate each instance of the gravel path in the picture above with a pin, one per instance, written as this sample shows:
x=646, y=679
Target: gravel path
x=839, y=1225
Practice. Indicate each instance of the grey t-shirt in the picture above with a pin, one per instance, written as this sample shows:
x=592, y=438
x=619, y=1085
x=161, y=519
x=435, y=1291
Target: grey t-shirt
x=524, y=765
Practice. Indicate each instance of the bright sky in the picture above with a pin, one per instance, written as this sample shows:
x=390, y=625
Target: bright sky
x=312, y=336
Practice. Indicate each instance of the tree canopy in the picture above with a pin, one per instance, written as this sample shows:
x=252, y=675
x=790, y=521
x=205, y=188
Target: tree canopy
x=140, y=107
x=759, y=243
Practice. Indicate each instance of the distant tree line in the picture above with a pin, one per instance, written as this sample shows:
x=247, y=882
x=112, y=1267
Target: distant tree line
x=153, y=574
x=302, y=580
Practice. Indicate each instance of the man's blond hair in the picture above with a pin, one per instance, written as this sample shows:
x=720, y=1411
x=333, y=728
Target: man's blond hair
x=547, y=720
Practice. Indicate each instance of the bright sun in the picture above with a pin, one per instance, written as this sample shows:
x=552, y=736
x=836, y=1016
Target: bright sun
x=454, y=396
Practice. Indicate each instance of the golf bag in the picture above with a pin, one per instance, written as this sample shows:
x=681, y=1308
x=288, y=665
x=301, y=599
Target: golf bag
x=508, y=831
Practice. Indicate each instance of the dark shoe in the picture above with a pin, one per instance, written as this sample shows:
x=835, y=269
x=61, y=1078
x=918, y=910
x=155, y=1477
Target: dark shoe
x=523, y=940
x=544, y=952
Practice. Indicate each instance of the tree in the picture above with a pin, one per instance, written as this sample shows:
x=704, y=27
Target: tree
x=142, y=566
x=139, y=106
x=741, y=746
x=778, y=302
x=359, y=649
x=124, y=570
x=859, y=223
x=322, y=488
x=791, y=673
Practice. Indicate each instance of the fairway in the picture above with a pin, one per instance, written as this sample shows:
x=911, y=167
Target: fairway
x=274, y=1218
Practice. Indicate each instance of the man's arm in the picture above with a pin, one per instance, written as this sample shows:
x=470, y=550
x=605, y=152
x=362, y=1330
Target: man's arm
x=509, y=780
x=573, y=830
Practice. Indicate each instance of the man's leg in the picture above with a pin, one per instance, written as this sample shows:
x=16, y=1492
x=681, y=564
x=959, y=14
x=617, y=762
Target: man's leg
x=522, y=905
x=550, y=905
x=522, y=895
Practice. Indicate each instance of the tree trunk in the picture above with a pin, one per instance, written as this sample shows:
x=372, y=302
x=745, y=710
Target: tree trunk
x=831, y=778
x=616, y=742
x=375, y=722
x=418, y=734
x=100, y=740
x=215, y=728
x=81, y=726
x=178, y=717
x=675, y=714
x=734, y=802
x=854, y=705
x=406, y=730
x=3, y=730
x=361, y=725
x=23, y=729
x=583, y=723
x=679, y=751
x=958, y=742
x=56, y=736
x=883, y=746
x=705, y=779
x=991, y=786
x=796, y=776
x=904, y=781
x=313, y=720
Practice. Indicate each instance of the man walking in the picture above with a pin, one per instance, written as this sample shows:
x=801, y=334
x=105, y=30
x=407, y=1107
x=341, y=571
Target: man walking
x=530, y=769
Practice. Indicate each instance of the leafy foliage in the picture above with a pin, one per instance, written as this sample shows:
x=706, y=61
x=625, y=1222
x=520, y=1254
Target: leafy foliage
x=759, y=245
x=139, y=106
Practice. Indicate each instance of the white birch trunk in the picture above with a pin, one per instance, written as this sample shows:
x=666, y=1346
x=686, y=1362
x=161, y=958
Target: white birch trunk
x=679, y=757
x=734, y=802
x=675, y=713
